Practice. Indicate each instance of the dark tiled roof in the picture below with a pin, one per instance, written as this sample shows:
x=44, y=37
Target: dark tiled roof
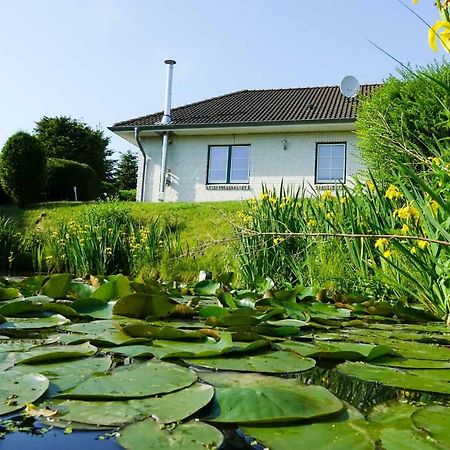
x=262, y=106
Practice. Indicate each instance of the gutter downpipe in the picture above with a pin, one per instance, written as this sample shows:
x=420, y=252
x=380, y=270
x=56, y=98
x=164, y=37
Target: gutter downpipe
x=166, y=119
x=144, y=155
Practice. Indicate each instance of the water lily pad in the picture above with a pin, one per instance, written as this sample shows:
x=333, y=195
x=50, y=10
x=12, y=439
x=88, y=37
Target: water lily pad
x=47, y=353
x=57, y=285
x=344, y=433
x=409, y=363
x=434, y=420
x=141, y=306
x=9, y=293
x=93, y=307
x=138, y=380
x=252, y=398
x=30, y=323
x=64, y=375
x=149, y=435
x=268, y=362
x=161, y=332
x=16, y=390
x=39, y=304
x=420, y=380
x=337, y=350
x=206, y=287
x=132, y=351
x=168, y=408
x=176, y=349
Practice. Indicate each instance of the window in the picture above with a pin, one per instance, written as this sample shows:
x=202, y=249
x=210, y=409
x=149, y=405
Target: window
x=228, y=164
x=330, y=163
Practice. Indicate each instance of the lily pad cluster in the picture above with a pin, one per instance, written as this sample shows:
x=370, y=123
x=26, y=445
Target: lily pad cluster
x=170, y=367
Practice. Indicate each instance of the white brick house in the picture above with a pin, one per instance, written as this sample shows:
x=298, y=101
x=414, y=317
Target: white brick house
x=226, y=147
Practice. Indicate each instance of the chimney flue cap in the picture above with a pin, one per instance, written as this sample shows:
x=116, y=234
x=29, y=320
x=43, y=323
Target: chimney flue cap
x=170, y=61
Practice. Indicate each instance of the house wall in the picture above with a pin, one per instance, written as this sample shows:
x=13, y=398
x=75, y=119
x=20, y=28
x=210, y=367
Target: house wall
x=269, y=163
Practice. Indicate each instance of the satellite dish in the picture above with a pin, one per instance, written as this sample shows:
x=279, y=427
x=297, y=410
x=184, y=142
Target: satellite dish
x=349, y=86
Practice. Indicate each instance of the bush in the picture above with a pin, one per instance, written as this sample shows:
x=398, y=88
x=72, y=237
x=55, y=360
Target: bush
x=23, y=168
x=404, y=118
x=63, y=175
x=4, y=199
x=127, y=195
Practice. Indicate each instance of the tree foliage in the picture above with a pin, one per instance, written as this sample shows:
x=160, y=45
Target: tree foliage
x=67, y=138
x=405, y=115
x=127, y=168
x=63, y=175
x=23, y=168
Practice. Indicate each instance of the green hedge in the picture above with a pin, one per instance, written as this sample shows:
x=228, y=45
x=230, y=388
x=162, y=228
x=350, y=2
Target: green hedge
x=63, y=175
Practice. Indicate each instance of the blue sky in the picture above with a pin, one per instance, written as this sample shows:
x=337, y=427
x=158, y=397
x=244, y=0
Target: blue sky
x=102, y=60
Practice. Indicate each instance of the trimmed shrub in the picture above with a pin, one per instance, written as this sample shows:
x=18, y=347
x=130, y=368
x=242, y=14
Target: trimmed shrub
x=23, y=168
x=63, y=175
x=403, y=119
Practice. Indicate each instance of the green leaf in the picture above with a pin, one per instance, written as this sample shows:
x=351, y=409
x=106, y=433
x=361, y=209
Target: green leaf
x=270, y=362
x=149, y=435
x=252, y=398
x=57, y=285
x=134, y=381
x=16, y=390
x=39, y=304
x=206, y=287
x=93, y=307
x=141, y=306
x=8, y=293
x=168, y=333
x=434, y=420
x=106, y=292
x=168, y=408
x=30, y=323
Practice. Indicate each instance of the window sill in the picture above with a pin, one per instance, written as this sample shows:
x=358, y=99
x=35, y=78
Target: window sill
x=327, y=186
x=227, y=187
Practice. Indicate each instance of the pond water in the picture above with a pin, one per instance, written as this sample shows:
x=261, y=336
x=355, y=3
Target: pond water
x=125, y=364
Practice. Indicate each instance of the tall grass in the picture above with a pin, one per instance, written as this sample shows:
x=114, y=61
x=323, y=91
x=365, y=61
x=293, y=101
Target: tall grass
x=9, y=244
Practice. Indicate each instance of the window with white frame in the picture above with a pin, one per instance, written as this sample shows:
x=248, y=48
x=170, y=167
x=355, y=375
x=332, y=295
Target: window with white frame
x=330, y=162
x=228, y=164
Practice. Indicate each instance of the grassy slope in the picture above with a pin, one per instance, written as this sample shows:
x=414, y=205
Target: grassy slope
x=200, y=223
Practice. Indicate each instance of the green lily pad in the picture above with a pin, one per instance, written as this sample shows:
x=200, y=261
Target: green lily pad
x=30, y=323
x=138, y=380
x=103, y=333
x=409, y=363
x=65, y=375
x=206, y=287
x=434, y=420
x=57, y=285
x=168, y=408
x=7, y=360
x=39, y=355
x=141, y=306
x=161, y=332
x=420, y=380
x=392, y=439
x=344, y=433
x=269, y=362
x=176, y=349
x=16, y=390
x=149, y=435
x=337, y=350
x=9, y=293
x=93, y=307
x=38, y=304
x=252, y=398
x=132, y=351
x=106, y=292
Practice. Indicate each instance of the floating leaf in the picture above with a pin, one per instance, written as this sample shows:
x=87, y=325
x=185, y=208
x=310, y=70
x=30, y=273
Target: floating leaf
x=64, y=375
x=207, y=287
x=336, y=350
x=39, y=304
x=141, y=306
x=57, y=285
x=344, y=433
x=434, y=420
x=8, y=293
x=149, y=435
x=270, y=362
x=252, y=398
x=138, y=380
x=16, y=390
x=93, y=307
x=30, y=323
x=106, y=292
x=161, y=332
x=168, y=408
x=419, y=380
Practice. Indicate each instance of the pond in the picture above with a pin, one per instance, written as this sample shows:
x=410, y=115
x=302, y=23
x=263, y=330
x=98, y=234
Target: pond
x=128, y=363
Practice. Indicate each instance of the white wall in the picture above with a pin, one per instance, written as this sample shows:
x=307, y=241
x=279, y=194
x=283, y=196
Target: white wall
x=269, y=163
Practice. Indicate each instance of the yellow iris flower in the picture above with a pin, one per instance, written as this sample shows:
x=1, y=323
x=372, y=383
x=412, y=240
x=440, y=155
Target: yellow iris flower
x=441, y=30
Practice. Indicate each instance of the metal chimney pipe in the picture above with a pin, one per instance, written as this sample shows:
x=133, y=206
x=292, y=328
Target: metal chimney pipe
x=168, y=98
x=166, y=119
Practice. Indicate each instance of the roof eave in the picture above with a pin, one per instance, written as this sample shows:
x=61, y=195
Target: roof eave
x=169, y=127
